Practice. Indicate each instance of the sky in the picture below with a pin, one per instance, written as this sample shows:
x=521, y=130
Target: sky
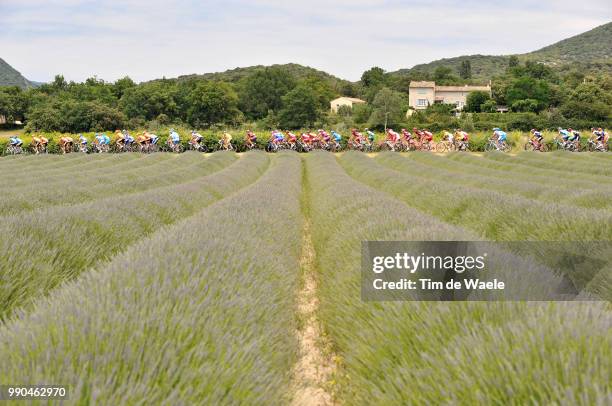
x=151, y=39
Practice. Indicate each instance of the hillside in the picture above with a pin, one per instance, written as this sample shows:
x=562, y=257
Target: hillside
x=10, y=77
x=591, y=50
x=299, y=71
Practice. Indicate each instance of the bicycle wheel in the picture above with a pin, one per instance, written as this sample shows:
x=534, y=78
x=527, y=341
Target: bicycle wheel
x=441, y=147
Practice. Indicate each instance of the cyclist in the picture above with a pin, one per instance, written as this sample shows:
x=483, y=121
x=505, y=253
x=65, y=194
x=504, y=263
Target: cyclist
x=337, y=139
x=324, y=138
x=174, y=140
x=120, y=139
x=537, y=139
x=448, y=136
x=35, y=144
x=226, y=141
x=128, y=139
x=153, y=140
x=371, y=136
x=15, y=141
x=195, y=140
x=83, y=143
x=306, y=141
x=565, y=135
x=462, y=138
x=601, y=137
x=65, y=144
x=143, y=141
x=392, y=139
x=250, y=140
x=500, y=137
x=291, y=139
x=98, y=142
x=426, y=138
x=574, y=137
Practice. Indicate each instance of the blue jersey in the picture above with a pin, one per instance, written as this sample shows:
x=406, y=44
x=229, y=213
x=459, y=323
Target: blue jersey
x=106, y=139
x=564, y=133
x=16, y=140
x=337, y=137
x=279, y=137
x=83, y=140
x=501, y=135
x=174, y=136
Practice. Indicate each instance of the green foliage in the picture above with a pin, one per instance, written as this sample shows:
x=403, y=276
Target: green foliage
x=13, y=103
x=527, y=105
x=71, y=117
x=528, y=88
x=211, y=103
x=263, y=90
x=374, y=77
x=475, y=100
x=465, y=71
x=149, y=100
x=388, y=108
x=301, y=107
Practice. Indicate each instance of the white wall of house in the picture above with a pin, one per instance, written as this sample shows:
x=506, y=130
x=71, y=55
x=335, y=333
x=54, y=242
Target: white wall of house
x=423, y=94
x=421, y=97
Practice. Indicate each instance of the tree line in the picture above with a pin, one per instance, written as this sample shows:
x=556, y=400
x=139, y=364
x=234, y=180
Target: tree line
x=271, y=97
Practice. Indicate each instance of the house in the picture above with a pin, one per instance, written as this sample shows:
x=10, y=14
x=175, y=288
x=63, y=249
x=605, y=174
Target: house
x=344, y=101
x=424, y=94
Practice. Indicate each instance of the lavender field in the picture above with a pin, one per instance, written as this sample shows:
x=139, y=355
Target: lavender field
x=235, y=278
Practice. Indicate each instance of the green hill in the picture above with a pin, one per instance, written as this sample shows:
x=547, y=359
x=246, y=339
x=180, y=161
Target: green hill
x=298, y=71
x=10, y=77
x=589, y=51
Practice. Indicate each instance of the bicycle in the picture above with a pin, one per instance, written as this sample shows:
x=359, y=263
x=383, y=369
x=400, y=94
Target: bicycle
x=222, y=147
x=532, y=145
x=444, y=146
x=492, y=145
x=196, y=146
x=596, y=146
x=14, y=149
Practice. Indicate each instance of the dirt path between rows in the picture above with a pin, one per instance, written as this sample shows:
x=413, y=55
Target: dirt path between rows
x=314, y=370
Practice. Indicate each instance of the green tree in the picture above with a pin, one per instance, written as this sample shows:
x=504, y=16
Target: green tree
x=513, y=61
x=475, y=100
x=263, y=91
x=373, y=77
x=528, y=88
x=388, y=108
x=149, y=100
x=213, y=103
x=526, y=105
x=488, y=106
x=465, y=70
x=121, y=85
x=301, y=107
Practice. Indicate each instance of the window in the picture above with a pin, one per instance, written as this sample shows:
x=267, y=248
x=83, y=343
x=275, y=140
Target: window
x=421, y=102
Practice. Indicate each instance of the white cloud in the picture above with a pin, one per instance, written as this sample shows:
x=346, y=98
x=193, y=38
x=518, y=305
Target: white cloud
x=147, y=40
